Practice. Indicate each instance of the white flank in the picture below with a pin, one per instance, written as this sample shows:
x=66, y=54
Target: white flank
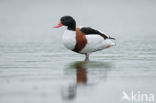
x=95, y=43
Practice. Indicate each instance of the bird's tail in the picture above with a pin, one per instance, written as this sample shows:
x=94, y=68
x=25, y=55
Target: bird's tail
x=113, y=42
x=111, y=38
x=109, y=43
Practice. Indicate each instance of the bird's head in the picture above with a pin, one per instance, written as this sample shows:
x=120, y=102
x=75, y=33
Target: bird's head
x=67, y=21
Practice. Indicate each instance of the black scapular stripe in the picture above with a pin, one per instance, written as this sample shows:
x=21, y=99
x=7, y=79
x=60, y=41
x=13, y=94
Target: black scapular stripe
x=89, y=31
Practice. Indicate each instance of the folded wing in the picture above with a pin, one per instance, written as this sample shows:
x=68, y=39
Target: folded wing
x=91, y=31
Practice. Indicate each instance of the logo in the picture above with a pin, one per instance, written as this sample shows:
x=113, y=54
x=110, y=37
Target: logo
x=137, y=96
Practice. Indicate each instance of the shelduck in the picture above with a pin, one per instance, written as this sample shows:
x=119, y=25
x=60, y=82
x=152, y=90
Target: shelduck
x=83, y=40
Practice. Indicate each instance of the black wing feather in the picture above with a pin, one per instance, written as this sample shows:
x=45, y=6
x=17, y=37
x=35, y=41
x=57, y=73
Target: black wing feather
x=88, y=31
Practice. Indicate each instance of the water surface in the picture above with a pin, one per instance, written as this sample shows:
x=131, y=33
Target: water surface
x=48, y=72
x=36, y=68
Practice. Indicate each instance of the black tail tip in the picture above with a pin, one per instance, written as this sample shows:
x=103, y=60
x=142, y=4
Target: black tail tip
x=112, y=38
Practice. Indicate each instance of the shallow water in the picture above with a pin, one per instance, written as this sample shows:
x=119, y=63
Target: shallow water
x=36, y=68
x=49, y=73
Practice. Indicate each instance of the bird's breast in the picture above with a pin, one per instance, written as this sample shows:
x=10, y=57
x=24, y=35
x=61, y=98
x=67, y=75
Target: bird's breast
x=81, y=41
x=69, y=39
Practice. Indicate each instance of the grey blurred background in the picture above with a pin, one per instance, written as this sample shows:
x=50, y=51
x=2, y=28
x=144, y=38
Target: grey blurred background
x=36, y=68
x=32, y=20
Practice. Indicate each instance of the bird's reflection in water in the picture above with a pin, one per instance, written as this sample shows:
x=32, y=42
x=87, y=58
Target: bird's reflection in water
x=81, y=68
x=81, y=73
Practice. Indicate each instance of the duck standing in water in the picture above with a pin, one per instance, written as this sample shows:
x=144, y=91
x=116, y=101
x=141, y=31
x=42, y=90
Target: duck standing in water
x=83, y=40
